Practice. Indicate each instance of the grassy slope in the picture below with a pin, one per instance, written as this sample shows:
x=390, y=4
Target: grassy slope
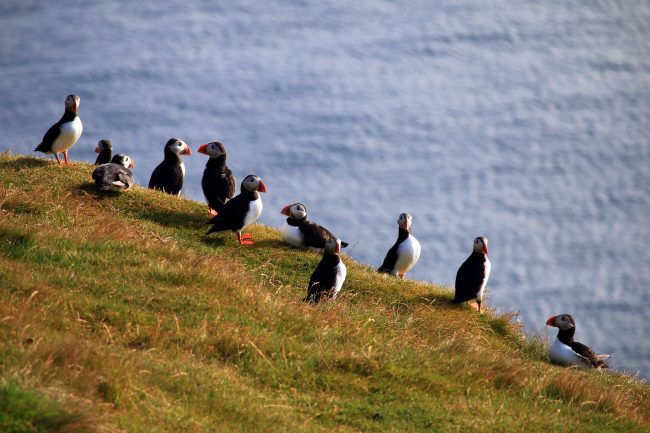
x=118, y=314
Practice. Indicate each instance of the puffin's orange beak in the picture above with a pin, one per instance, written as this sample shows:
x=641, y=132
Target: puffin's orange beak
x=132, y=164
x=97, y=149
x=202, y=148
x=261, y=187
x=551, y=321
x=285, y=210
x=186, y=151
x=484, y=249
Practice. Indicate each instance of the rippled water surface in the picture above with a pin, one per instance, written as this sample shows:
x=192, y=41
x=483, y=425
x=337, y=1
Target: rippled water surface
x=524, y=121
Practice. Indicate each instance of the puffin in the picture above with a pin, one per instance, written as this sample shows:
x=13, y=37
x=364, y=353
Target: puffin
x=105, y=150
x=63, y=134
x=169, y=174
x=328, y=277
x=473, y=274
x=299, y=232
x=404, y=254
x=240, y=211
x=115, y=175
x=218, y=182
x=566, y=351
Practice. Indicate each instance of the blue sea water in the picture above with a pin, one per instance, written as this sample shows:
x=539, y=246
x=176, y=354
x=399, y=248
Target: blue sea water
x=523, y=121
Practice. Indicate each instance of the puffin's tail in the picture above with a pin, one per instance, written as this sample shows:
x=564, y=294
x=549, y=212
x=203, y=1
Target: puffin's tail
x=39, y=148
x=344, y=244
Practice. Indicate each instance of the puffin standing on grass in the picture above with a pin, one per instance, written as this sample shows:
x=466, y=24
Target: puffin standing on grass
x=566, y=351
x=105, y=150
x=169, y=174
x=218, y=182
x=473, y=274
x=240, y=211
x=405, y=253
x=116, y=175
x=329, y=275
x=299, y=232
x=63, y=134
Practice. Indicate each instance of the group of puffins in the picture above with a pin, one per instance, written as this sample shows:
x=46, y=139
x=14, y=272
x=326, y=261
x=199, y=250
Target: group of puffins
x=235, y=213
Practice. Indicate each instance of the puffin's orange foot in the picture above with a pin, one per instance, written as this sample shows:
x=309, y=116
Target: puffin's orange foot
x=212, y=212
x=245, y=239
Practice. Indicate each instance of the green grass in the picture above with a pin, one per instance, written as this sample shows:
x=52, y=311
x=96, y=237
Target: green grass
x=119, y=308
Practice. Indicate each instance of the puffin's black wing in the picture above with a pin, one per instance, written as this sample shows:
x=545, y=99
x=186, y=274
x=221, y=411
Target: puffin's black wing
x=469, y=278
x=106, y=174
x=167, y=177
x=49, y=137
x=231, y=216
x=390, y=260
x=586, y=352
x=316, y=235
x=321, y=283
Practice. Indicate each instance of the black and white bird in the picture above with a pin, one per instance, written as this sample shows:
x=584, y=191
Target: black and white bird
x=299, y=232
x=115, y=175
x=169, y=174
x=218, y=182
x=404, y=254
x=328, y=277
x=241, y=211
x=105, y=150
x=63, y=134
x=473, y=274
x=566, y=351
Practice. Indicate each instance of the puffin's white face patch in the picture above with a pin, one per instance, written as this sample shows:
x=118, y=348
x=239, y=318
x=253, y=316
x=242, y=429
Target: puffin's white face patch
x=298, y=211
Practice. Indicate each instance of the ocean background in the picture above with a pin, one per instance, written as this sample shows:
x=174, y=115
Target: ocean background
x=527, y=122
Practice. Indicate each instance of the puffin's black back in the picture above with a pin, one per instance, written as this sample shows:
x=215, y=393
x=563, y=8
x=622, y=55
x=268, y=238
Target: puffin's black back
x=54, y=131
x=218, y=183
x=566, y=337
x=168, y=175
x=104, y=156
x=232, y=214
x=106, y=174
x=469, y=277
x=323, y=279
x=315, y=235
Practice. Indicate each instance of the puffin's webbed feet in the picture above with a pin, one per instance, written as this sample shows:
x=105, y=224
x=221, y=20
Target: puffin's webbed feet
x=212, y=211
x=245, y=239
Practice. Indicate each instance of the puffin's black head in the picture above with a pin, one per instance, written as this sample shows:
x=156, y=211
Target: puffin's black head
x=404, y=221
x=179, y=147
x=72, y=103
x=481, y=245
x=213, y=150
x=103, y=145
x=296, y=211
x=333, y=246
x=123, y=160
x=563, y=321
x=253, y=183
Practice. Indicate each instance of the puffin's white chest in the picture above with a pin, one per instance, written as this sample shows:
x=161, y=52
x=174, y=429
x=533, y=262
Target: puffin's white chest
x=254, y=211
x=562, y=354
x=408, y=253
x=488, y=268
x=292, y=235
x=182, y=171
x=341, y=272
x=69, y=133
